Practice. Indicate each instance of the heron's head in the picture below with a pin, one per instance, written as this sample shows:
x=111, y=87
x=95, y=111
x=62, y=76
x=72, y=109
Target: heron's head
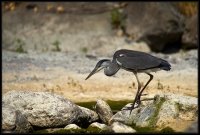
x=99, y=66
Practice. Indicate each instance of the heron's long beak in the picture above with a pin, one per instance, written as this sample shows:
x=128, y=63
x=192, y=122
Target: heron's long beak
x=95, y=70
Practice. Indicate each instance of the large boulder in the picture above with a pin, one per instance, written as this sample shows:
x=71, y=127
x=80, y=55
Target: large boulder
x=156, y=23
x=190, y=35
x=45, y=109
x=143, y=116
x=86, y=117
x=168, y=113
x=165, y=111
x=13, y=121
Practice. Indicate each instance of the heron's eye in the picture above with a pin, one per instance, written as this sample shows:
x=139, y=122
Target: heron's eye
x=121, y=55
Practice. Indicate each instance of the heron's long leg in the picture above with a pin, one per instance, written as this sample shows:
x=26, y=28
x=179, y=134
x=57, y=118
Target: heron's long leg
x=151, y=77
x=138, y=91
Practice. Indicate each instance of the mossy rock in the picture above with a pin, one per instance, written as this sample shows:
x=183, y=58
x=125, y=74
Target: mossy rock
x=167, y=130
x=65, y=131
x=44, y=131
x=144, y=129
x=158, y=104
x=97, y=130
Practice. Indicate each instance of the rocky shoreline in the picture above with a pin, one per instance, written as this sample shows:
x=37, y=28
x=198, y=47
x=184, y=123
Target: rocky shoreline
x=49, y=48
x=27, y=112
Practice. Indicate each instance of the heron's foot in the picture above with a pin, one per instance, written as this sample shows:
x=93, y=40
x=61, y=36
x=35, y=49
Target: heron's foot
x=130, y=108
x=133, y=106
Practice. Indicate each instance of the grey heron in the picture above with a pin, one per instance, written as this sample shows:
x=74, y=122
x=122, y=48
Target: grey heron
x=132, y=61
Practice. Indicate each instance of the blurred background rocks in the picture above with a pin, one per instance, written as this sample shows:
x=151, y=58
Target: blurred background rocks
x=164, y=27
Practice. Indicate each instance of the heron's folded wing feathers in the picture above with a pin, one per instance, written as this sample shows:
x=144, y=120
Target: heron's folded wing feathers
x=138, y=62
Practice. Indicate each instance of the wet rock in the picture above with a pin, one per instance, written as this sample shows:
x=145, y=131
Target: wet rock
x=165, y=111
x=118, y=127
x=158, y=24
x=86, y=117
x=98, y=128
x=44, y=109
x=124, y=116
x=139, y=116
x=104, y=111
x=190, y=36
x=13, y=121
x=146, y=114
x=72, y=126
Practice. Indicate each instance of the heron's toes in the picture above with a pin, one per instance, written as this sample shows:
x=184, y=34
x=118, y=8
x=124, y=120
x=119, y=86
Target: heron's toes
x=128, y=108
x=131, y=107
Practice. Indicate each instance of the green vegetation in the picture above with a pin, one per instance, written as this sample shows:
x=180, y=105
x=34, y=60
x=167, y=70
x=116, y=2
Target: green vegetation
x=117, y=105
x=114, y=105
x=44, y=131
x=97, y=130
x=167, y=130
x=65, y=131
x=160, y=85
x=20, y=45
x=88, y=105
x=153, y=119
x=144, y=129
x=117, y=19
x=84, y=49
x=74, y=83
x=56, y=44
x=179, y=106
x=153, y=130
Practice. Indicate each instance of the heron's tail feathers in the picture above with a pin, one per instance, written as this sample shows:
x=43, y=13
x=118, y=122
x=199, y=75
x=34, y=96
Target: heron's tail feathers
x=165, y=65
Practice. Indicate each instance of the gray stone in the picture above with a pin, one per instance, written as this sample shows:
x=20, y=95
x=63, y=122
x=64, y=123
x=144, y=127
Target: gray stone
x=158, y=24
x=98, y=125
x=72, y=126
x=104, y=111
x=124, y=116
x=139, y=116
x=118, y=127
x=44, y=109
x=98, y=128
x=144, y=116
x=87, y=116
x=187, y=101
x=168, y=113
x=14, y=121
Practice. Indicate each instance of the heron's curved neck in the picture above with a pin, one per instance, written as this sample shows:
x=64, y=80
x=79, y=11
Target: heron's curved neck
x=111, y=68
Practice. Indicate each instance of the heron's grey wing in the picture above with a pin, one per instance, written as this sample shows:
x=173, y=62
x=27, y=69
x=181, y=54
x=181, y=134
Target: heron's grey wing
x=138, y=62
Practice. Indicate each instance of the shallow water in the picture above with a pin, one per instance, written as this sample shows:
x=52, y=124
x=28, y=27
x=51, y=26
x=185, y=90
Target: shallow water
x=114, y=105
